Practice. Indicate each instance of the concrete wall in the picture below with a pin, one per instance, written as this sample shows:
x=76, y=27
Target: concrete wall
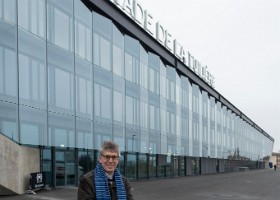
x=16, y=164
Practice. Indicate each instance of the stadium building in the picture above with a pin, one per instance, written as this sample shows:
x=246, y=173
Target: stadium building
x=76, y=73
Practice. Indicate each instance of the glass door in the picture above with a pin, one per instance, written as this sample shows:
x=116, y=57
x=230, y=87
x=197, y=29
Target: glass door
x=64, y=167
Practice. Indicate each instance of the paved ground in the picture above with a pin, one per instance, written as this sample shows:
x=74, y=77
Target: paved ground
x=252, y=185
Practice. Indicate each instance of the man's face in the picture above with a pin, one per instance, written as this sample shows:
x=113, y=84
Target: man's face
x=109, y=161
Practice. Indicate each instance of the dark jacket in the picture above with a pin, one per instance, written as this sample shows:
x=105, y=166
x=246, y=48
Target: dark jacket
x=86, y=189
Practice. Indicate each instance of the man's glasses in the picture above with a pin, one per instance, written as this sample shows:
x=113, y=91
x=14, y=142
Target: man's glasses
x=107, y=157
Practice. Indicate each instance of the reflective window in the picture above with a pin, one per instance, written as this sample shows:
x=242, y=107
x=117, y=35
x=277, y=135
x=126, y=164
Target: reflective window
x=152, y=166
x=83, y=30
x=84, y=88
x=60, y=23
x=47, y=165
x=102, y=94
x=144, y=81
x=163, y=80
x=118, y=100
x=102, y=132
x=61, y=130
x=8, y=10
x=8, y=120
x=84, y=133
x=142, y=166
x=185, y=92
x=119, y=137
x=118, y=52
x=154, y=69
x=144, y=114
x=170, y=83
x=154, y=118
x=102, y=36
x=32, y=126
x=32, y=70
x=32, y=16
x=60, y=73
x=132, y=59
x=85, y=159
x=131, y=166
x=8, y=62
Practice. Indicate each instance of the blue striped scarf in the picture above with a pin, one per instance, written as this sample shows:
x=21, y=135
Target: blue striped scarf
x=102, y=187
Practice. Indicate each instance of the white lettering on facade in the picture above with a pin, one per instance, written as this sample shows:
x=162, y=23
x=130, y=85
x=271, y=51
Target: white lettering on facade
x=148, y=26
x=143, y=18
x=139, y=13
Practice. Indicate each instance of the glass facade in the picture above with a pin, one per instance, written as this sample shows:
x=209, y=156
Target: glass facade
x=71, y=78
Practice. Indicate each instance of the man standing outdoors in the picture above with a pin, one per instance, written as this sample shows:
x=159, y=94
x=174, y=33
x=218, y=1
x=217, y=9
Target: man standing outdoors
x=105, y=182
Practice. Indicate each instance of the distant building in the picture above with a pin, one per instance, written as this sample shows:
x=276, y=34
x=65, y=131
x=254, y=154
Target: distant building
x=76, y=73
x=275, y=159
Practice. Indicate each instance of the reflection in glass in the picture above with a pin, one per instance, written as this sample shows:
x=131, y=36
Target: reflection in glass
x=32, y=126
x=131, y=166
x=142, y=166
x=8, y=10
x=8, y=62
x=32, y=16
x=84, y=133
x=60, y=73
x=60, y=23
x=83, y=30
x=118, y=52
x=8, y=120
x=61, y=130
x=84, y=88
x=102, y=41
x=32, y=70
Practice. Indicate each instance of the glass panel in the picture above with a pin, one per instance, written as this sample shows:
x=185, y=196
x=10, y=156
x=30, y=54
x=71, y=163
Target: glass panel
x=152, y=166
x=132, y=54
x=142, y=166
x=32, y=16
x=119, y=137
x=85, y=162
x=144, y=68
x=84, y=134
x=118, y=52
x=60, y=168
x=118, y=100
x=8, y=10
x=182, y=166
x=61, y=131
x=84, y=88
x=8, y=62
x=154, y=69
x=131, y=166
x=8, y=120
x=60, y=75
x=162, y=162
x=60, y=23
x=103, y=95
x=102, y=132
x=47, y=165
x=83, y=31
x=32, y=70
x=70, y=167
x=33, y=126
x=102, y=37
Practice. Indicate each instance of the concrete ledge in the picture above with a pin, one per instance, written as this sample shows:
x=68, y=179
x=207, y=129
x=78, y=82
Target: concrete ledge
x=17, y=162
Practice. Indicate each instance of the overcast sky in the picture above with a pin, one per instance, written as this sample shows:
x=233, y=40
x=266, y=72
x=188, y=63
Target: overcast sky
x=239, y=41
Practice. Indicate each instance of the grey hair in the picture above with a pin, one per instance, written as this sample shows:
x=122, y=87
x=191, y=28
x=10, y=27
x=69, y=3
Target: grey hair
x=109, y=146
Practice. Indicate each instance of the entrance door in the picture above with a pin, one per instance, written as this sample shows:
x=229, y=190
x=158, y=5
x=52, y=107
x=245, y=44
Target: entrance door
x=64, y=167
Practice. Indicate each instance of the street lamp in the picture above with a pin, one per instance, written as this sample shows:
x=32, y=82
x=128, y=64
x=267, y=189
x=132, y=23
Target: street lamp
x=133, y=142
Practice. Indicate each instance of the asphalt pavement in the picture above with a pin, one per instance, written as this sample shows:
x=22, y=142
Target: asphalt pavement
x=249, y=185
